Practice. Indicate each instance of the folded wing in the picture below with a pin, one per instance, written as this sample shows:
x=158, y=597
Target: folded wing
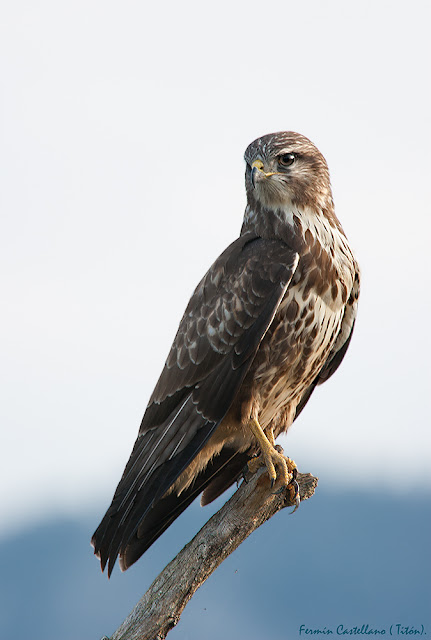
x=217, y=339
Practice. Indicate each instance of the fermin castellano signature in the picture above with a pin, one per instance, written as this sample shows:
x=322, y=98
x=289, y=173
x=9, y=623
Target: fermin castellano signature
x=365, y=630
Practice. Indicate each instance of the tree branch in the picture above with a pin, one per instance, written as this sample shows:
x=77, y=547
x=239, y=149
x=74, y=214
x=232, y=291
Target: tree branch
x=254, y=503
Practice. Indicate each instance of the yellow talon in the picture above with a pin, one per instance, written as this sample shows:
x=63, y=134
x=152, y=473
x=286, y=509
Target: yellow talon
x=270, y=456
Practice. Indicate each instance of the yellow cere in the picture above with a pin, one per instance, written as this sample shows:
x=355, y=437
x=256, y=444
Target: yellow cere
x=258, y=164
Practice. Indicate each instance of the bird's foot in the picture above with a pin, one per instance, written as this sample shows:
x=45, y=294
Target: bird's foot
x=272, y=457
x=288, y=481
x=293, y=488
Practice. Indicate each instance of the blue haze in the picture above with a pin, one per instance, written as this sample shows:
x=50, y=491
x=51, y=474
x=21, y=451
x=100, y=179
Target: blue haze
x=348, y=558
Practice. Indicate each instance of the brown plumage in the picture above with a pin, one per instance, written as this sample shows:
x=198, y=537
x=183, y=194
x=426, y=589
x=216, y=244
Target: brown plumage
x=270, y=320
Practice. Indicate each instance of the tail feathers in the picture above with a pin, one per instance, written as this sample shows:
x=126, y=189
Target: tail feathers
x=228, y=463
x=149, y=517
x=139, y=490
x=225, y=477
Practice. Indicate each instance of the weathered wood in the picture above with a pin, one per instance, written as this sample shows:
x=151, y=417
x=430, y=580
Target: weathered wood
x=254, y=503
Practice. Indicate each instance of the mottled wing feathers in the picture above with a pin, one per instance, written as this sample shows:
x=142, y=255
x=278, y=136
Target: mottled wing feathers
x=242, y=286
x=218, y=336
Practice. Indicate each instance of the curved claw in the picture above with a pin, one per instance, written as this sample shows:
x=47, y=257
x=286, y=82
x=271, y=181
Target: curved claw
x=297, y=496
x=296, y=485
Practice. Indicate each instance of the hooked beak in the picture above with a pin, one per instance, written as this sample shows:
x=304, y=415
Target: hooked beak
x=257, y=172
x=256, y=168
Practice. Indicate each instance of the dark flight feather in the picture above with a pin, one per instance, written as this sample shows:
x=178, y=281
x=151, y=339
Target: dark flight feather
x=171, y=506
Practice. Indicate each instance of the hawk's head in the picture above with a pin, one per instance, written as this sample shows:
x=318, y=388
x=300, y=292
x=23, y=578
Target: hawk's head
x=285, y=169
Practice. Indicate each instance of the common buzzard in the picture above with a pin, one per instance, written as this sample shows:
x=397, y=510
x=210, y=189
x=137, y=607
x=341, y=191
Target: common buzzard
x=270, y=320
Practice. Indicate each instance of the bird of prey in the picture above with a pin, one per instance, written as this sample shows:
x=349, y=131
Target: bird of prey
x=270, y=320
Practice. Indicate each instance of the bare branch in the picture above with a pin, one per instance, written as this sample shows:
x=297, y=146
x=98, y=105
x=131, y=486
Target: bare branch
x=254, y=503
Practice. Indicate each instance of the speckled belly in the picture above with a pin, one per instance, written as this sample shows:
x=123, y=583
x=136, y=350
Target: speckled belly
x=292, y=353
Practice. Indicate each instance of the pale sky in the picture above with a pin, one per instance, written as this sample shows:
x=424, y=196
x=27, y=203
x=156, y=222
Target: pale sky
x=123, y=128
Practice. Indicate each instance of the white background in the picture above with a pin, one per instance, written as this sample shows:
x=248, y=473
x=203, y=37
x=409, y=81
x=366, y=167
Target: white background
x=123, y=127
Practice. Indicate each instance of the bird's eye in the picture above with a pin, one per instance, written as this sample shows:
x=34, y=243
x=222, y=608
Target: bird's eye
x=287, y=159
